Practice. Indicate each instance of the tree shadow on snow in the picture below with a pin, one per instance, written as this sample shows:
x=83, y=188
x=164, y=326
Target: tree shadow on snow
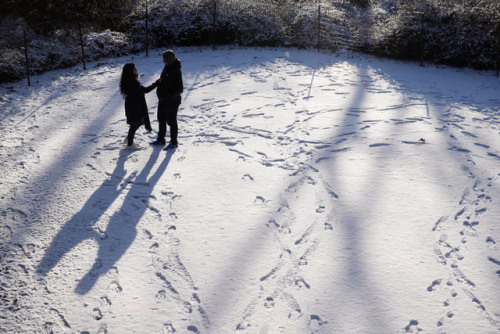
x=121, y=230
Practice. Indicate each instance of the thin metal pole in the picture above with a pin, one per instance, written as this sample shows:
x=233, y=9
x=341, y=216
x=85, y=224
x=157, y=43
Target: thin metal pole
x=422, y=39
x=319, y=28
x=27, y=58
x=147, y=31
x=214, y=24
x=81, y=44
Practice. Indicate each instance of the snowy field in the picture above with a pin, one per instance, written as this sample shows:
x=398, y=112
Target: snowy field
x=310, y=193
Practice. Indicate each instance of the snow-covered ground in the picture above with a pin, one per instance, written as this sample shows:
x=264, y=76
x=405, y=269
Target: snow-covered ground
x=311, y=193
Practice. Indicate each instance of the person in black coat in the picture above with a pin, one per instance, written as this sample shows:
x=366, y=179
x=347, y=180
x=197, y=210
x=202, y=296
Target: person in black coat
x=136, y=109
x=169, y=92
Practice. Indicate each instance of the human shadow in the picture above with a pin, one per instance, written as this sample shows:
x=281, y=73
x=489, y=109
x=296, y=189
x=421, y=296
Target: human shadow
x=121, y=229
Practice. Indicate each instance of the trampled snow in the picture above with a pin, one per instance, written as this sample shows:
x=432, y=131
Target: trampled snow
x=310, y=193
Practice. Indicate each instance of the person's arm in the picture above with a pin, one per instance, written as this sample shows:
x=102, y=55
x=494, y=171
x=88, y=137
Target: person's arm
x=146, y=90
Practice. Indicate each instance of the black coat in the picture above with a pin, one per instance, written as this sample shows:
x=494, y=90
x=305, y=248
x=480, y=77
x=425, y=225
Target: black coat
x=171, y=85
x=136, y=108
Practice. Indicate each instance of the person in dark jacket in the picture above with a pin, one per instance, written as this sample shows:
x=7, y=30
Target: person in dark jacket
x=136, y=109
x=169, y=92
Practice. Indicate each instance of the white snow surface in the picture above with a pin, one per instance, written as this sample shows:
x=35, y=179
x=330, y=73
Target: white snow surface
x=310, y=193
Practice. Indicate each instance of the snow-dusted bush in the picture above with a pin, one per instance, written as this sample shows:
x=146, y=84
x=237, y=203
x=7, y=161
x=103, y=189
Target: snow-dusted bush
x=254, y=22
x=205, y=22
x=12, y=60
x=44, y=52
x=107, y=44
x=60, y=50
x=11, y=64
x=303, y=27
x=458, y=33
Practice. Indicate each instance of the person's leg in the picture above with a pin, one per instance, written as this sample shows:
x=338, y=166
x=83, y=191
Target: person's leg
x=172, y=121
x=131, y=133
x=162, y=122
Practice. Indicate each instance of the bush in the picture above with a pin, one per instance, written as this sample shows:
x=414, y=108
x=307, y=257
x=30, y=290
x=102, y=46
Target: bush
x=456, y=34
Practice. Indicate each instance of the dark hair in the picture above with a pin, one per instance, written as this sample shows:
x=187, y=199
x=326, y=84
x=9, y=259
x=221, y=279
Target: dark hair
x=169, y=56
x=128, y=79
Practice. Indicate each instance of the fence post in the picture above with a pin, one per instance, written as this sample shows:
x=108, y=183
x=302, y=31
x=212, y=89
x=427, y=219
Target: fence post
x=496, y=38
x=81, y=43
x=214, y=24
x=319, y=28
x=147, y=31
x=422, y=39
x=27, y=58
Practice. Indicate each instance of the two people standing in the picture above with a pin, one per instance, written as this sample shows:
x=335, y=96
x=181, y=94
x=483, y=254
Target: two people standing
x=169, y=88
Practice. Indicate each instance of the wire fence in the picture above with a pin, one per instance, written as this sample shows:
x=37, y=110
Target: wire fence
x=260, y=22
x=335, y=28
x=331, y=25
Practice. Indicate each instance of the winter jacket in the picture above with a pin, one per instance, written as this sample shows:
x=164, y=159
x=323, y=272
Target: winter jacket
x=136, y=108
x=171, y=85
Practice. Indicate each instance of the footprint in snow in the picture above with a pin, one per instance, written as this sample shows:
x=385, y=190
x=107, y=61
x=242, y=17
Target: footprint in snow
x=412, y=327
x=161, y=294
x=105, y=302
x=243, y=325
x=115, y=287
x=96, y=312
x=269, y=303
x=494, y=155
x=148, y=234
x=96, y=267
x=272, y=223
x=193, y=329
x=113, y=272
x=434, y=285
x=379, y=145
x=295, y=314
x=154, y=248
x=301, y=283
x=259, y=200
x=5, y=234
x=315, y=323
x=247, y=177
x=59, y=318
x=168, y=328
x=103, y=330
x=490, y=241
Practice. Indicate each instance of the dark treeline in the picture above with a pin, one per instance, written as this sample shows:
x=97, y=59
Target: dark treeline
x=463, y=33
x=46, y=16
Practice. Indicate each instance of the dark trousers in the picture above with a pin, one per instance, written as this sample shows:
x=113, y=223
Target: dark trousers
x=131, y=132
x=167, y=114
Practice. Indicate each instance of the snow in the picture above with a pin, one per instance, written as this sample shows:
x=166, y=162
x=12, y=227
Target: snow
x=310, y=193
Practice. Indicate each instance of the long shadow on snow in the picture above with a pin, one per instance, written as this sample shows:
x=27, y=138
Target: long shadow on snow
x=352, y=224
x=48, y=180
x=367, y=286
x=365, y=291
x=121, y=229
